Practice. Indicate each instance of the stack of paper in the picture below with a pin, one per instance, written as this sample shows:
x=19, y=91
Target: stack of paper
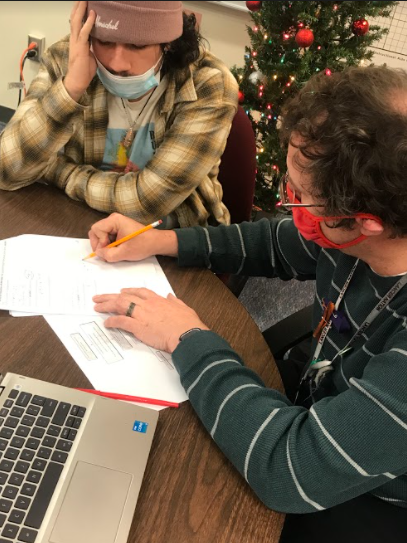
x=44, y=275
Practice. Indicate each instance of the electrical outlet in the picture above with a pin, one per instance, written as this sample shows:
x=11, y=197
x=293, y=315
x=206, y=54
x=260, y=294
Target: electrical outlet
x=15, y=85
x=40, y=46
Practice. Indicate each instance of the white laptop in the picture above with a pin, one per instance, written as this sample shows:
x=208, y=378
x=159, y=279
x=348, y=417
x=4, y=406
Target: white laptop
x=71, y=463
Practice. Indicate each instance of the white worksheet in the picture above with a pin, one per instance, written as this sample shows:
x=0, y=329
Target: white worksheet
x=115, y=361
x=47, y=275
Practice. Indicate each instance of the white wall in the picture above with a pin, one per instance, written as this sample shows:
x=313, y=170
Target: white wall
x=223, y=27
x=17, y=20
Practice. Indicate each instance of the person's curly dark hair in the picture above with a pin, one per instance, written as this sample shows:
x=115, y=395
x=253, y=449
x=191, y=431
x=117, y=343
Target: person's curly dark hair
x=353, y=128
x=185, y=50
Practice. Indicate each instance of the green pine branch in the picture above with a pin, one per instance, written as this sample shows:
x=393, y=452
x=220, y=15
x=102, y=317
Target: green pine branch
x=275, y=67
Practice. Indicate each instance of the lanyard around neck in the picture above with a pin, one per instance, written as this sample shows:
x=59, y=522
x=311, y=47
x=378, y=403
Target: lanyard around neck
x=380, y=306
x=326, y=329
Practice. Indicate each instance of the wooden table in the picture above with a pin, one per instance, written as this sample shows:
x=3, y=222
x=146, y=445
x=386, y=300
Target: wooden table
x=191, y=493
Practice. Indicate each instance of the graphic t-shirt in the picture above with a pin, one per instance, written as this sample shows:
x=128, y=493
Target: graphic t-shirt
x=116, y=157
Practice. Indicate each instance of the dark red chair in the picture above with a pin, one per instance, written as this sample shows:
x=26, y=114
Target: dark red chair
x=237, y=175
x=237, y=170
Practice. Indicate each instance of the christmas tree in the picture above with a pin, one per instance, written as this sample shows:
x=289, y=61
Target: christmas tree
x=291, y=41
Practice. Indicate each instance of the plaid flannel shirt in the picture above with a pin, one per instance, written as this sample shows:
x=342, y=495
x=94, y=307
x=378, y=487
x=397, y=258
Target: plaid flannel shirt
x=57, y=140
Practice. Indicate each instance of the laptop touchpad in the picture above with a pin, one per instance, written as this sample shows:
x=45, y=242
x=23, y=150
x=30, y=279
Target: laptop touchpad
x=93, y=505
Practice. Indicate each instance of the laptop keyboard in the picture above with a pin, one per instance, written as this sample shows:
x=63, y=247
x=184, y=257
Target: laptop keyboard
x=36, y=437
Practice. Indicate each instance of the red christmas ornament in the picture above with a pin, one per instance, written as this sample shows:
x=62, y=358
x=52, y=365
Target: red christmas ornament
x=304, y=37
x=360, y=27
x=253, y=6
x=240, y=97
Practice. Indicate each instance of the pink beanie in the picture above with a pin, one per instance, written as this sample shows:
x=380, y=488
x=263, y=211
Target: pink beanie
x=138, y=23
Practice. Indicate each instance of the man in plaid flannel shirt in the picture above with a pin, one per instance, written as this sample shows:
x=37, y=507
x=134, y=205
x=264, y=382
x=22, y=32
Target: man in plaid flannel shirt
x=173, y=103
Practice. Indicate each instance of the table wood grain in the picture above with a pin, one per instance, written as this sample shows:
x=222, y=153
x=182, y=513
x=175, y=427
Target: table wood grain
x=190, y=493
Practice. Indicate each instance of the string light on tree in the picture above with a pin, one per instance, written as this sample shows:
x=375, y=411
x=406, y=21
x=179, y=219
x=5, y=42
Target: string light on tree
x=291, y=42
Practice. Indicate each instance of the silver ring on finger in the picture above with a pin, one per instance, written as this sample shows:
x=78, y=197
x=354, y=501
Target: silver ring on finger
x=130, y=309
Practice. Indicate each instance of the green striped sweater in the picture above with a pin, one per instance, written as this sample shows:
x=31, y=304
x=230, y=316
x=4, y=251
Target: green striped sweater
x=353, y=440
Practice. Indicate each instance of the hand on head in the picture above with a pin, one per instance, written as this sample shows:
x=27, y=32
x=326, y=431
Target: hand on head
x=82, y=63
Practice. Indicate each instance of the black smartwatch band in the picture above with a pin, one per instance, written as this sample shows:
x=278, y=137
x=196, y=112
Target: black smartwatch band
x=188, y=332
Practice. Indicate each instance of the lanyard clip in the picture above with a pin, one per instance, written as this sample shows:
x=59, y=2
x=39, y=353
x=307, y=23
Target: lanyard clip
x=326, y=317
x=315, y=366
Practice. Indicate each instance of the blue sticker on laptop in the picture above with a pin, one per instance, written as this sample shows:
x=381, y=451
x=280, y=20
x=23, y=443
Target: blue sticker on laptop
x=140, y=426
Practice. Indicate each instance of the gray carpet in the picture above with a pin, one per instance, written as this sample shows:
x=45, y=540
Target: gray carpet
x=271, y=300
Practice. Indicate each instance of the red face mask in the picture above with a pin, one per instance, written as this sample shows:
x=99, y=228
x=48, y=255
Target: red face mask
x=309, y=225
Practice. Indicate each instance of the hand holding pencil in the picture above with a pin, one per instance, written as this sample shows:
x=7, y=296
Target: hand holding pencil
x=163, y=319
x=128, y=237
x=129, y=244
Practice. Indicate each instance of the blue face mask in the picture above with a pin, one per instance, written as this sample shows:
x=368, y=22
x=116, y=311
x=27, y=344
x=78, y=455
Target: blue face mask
x=132, y=87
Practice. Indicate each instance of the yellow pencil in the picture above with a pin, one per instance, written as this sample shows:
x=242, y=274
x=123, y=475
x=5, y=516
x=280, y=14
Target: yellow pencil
x=126, y=238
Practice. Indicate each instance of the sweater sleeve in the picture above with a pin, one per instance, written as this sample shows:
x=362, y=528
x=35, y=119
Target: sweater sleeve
x=40, y=128
x=265, y=248
x=300, y=461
